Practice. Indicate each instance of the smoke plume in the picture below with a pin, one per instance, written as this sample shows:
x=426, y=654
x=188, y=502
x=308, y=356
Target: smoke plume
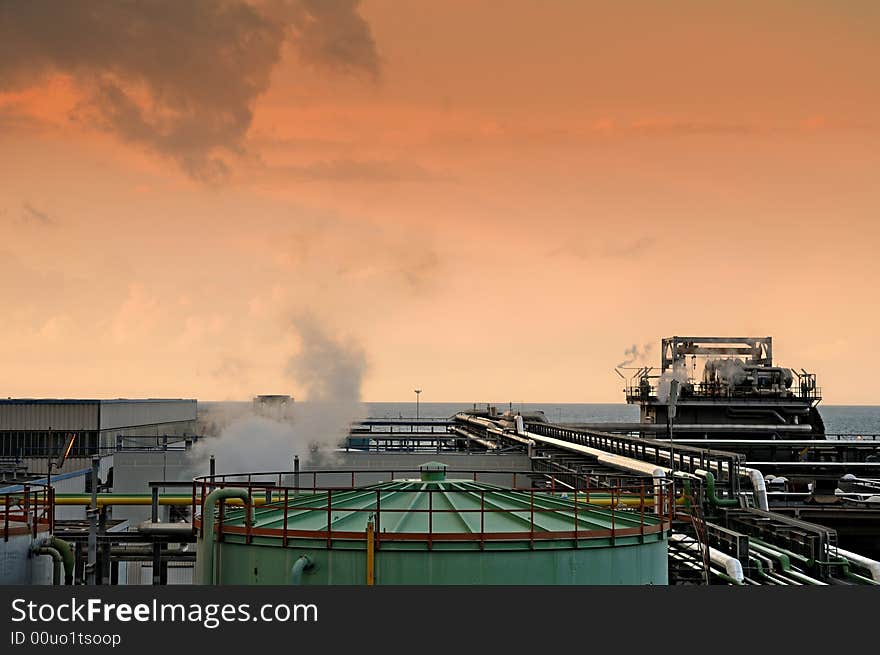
x=178, y=77
x=677, y=372
x=633, y=354
x=330, y=371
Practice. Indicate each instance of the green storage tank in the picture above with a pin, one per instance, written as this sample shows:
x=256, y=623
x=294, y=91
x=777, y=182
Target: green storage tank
x=425, y=531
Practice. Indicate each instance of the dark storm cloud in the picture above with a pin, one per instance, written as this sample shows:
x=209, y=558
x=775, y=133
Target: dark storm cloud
x=177, y=76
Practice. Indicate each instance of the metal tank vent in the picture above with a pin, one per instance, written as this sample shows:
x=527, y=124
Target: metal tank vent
x=432, y=472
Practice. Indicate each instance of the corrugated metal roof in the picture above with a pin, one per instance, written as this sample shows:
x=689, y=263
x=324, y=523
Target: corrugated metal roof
x=60, y=414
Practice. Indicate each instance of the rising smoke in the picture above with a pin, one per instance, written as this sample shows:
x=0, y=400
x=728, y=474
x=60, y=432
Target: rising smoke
x=633, y=355
x=677, y=372
x=178, y=77
x=330, y=372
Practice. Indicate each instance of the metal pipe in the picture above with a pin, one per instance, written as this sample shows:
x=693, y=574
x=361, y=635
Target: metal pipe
x=92, y=564
x=56, y=562
x=371, y=554
x=710, y=492
x=658, y=473
x=205, y=567
x=302, y=564
x=67, y=557
x=759, y=486
x=873, y=566
x=731, y=565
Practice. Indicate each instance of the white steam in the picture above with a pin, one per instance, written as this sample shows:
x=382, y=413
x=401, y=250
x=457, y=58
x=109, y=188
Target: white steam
x=677, y=372
x=633, y=355
x=330, y=373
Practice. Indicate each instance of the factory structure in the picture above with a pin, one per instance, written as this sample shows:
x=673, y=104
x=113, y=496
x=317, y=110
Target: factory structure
x=728, y=478
x=52, y=450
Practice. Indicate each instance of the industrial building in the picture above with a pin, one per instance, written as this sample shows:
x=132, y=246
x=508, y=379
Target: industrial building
x=33, y=430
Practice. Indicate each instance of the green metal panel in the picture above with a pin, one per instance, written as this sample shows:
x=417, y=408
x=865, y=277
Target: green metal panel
x=638, y=564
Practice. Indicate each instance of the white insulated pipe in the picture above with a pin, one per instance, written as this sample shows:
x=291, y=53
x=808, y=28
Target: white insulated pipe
x=629, y=464
x=759, y=486
x=732, y=566
x=872, y=565
x=659, y=473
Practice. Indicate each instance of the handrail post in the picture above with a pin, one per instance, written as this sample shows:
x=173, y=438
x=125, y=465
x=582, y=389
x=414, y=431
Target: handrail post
x=284, y=519
x=193, y=514
x=482, y=517
x=430, y=518
x=248, y=509
x=329, y=515
x=203, y=508
x=531, y=518
x=378, y=517
x=642, y=509
x=612, y=516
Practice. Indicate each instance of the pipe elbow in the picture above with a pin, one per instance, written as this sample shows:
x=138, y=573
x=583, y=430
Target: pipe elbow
x=206, y=570
x=301, y=565
x=760, y=488
x=56, y=561
x=67, y=557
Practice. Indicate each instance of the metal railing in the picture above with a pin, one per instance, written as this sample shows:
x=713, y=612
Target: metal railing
x=722, y=464
x=703, y=391
x=28, y=511
x=637, y=507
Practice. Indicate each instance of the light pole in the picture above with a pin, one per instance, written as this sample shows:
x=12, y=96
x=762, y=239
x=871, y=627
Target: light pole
x=418, y=392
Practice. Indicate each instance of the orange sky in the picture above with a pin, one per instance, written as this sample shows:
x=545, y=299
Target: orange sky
x=514, y=194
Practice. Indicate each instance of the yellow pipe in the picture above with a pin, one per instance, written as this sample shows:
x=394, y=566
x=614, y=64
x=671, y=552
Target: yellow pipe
x=628, y=502
x=371, y=554
x=112, y=499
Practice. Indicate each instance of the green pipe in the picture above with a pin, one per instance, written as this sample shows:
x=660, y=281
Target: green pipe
x=66, y=555
x=801, y=577
x=205, y=563
x=302, y=564
x=56, y=562
x=806, y=561
x=782, y=558
x=714, y=499
x=847, y=572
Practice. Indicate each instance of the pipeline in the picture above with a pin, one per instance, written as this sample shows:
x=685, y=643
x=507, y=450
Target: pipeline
x=732, y=566
x=67, y=557
x=873, y=566
x=637, y=466
x=109, y=499
x=711, y=495
x=658, y=473
x=848, y=573
x=302, y=564
x=56, y=562
x=759, y=486
x=483, y=442
x=205, y=568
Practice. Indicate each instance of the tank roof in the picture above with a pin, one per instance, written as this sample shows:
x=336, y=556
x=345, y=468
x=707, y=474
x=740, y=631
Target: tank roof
x=447, y=510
